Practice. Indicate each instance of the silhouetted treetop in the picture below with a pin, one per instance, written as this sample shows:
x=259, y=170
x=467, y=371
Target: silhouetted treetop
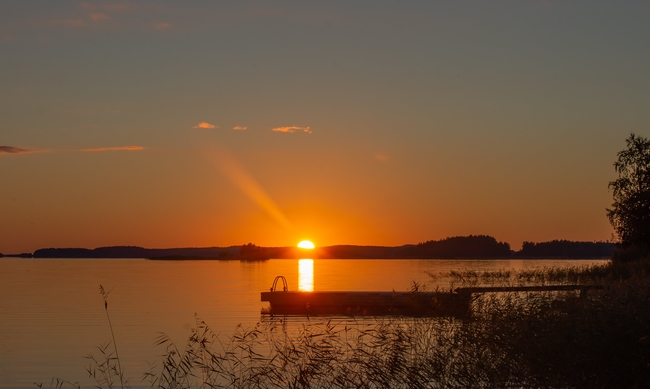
x=472, y=246
x=630, y=212
x=566, y=249
x=251, y=251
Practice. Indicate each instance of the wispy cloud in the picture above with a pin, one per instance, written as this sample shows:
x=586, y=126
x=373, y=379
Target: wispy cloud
x=104, y=6
x=120, y=148
x=66, y=23
x=113, y=17
x=292, y=129
x=240, y=128
x=205, y=125
x=15, y=150
x=8, y=38
x=99, y=16
x=161, y=25
x=381, y=157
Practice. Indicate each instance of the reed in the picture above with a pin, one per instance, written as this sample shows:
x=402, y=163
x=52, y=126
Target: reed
x=106, y=369
x=587, y=274
x=597, y=340
x=391, y=353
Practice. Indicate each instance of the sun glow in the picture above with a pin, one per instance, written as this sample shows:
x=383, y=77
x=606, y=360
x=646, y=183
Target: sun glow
x=305, y=244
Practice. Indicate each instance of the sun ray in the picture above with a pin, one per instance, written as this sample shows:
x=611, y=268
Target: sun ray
x=243, y=180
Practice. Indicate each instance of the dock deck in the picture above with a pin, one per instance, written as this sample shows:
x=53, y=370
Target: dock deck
x=367, y=303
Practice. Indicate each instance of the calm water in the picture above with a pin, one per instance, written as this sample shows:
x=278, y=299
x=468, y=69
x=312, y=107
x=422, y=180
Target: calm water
x=52, y=315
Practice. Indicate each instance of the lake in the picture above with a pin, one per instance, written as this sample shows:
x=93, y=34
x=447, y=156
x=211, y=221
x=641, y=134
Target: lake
x=52, y=314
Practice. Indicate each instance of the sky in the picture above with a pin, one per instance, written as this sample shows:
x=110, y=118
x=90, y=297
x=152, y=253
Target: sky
x=218, y=123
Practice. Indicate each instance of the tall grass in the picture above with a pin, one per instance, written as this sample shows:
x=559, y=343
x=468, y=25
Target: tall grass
x=513, y=340
x=600, y=339
x=394, y=353
x=106, y=368
x=561, y=275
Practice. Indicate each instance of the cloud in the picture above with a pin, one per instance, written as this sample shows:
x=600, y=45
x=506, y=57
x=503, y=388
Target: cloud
x=104, y=6
x=381, y=157
x=14, y=150
x=161, y=25
x=66, y=23
x=240, y=128
x=8, y=38
x=17, y=150
x=120, y=148
x=292, y=129
x=99, y=16
x=205, y=125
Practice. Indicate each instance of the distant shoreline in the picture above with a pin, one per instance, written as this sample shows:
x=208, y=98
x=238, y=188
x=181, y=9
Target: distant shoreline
x=464, y=247
x=365, y=258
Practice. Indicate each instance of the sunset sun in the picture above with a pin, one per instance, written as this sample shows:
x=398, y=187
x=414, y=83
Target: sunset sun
x=305, y=244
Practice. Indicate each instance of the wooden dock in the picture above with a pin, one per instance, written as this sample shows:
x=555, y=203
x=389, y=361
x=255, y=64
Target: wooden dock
x=367, y=303
x=455, y=303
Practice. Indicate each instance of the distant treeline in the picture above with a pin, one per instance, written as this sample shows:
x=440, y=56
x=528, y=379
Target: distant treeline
x=458, y=247
x=139, y=252
x=566, y=249
x=473, y=246
x=21, y=255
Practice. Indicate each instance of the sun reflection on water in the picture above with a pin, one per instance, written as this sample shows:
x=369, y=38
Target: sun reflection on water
x=306, y=275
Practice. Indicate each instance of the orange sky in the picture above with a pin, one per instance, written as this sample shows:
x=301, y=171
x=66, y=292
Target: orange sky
x=168, y=125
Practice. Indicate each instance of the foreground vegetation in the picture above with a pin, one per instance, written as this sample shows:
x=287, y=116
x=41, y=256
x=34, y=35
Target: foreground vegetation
x=524, y=340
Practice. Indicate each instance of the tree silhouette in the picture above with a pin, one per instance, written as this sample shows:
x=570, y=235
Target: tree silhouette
x=472, y=246
x=630, y=212
x=252, y=252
